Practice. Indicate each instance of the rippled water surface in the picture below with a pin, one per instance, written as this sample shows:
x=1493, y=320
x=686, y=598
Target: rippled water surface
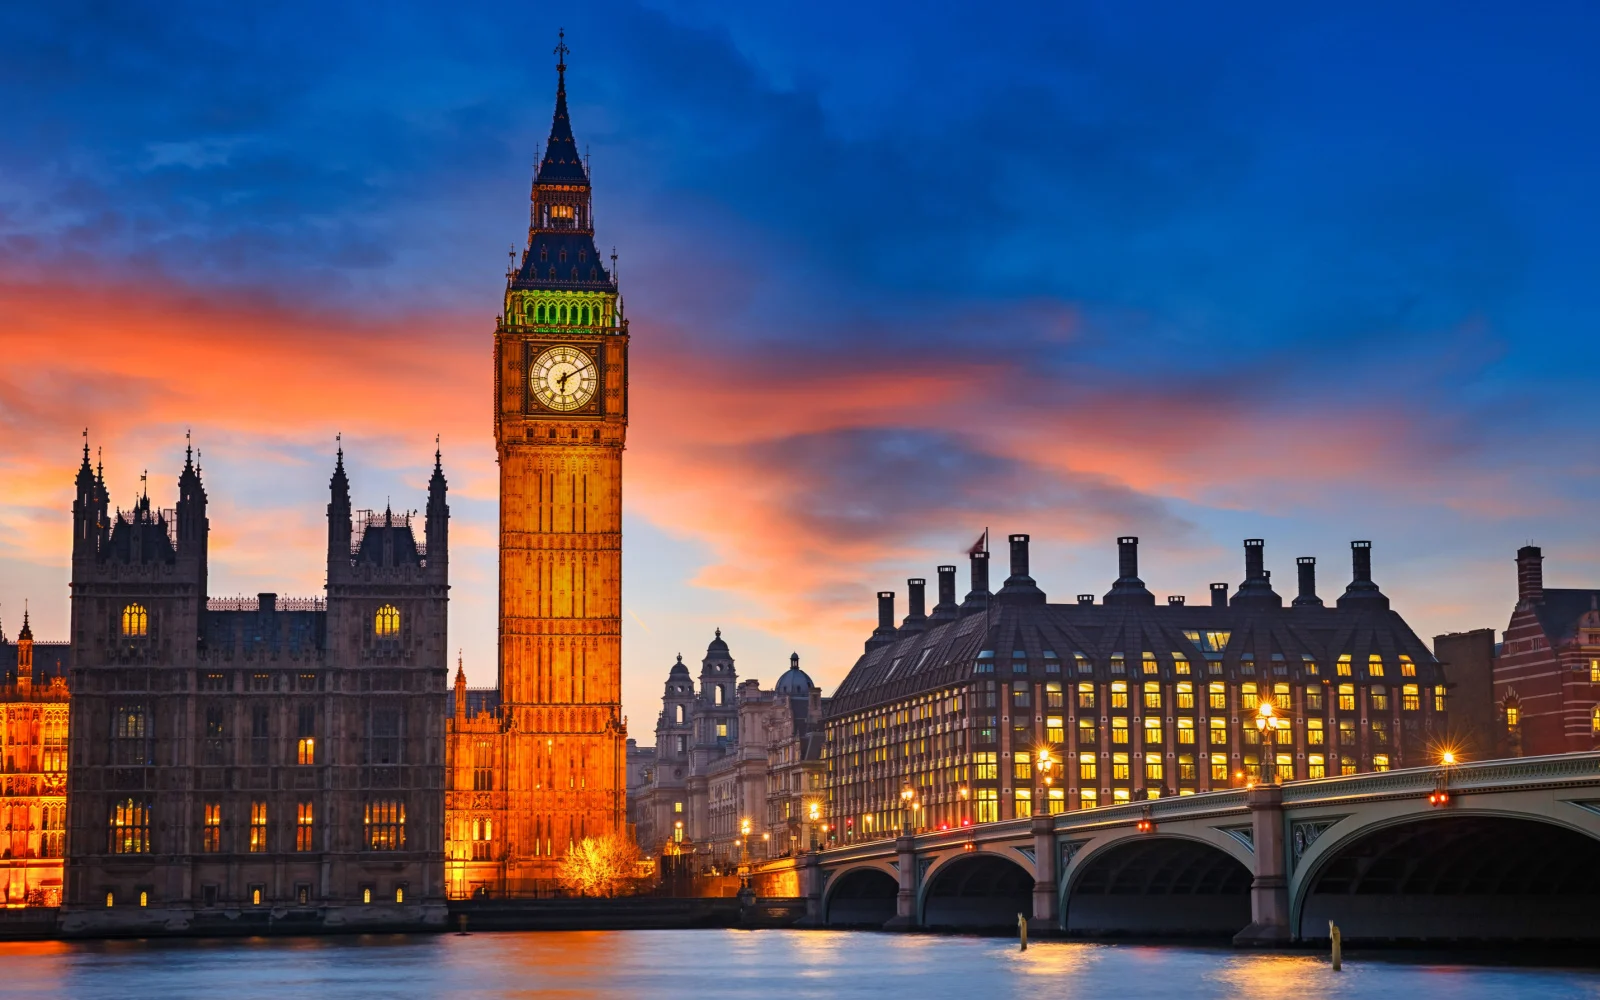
x=711, y=964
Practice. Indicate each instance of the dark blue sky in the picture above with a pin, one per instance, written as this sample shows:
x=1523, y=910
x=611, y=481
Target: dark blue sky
x=895, y=272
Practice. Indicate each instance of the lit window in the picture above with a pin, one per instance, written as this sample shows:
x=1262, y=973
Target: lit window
x=1280, y=697
x=1594, y=671
x=1022, y=765
x=1347, y=765
x=303, y=827
x=1088, y=798
x=1085, y=694
x=1121, y=796
x=1374, y=665
x=258, y=827
x=1152, y=731
x=1152, y=769
x=1438, y=698
x=1186, y=767
x=1219, y=732
x=255, y=895
x=1316, y=766
x=135, y=621
x=111, y=898
x=677, y=807
x=1285, y=767
x=1152, y=694
x=1024, y=802
x=144, y=898
x=211, y=830
x=1379, y=696
x=1314, y=732
x=1218, y=696
x=399, y=894
x=1119, y=694
x=385, y=822
x=1052, y=694
x=1347, y=697
x=1057, y=801
x=1119, y=730
x=1407, y=668
x=1343, y=668
x=1149, y=663
x=1410, y=698
x=1380, y=762
x=1119, y=767
x=130, y=827
x=722, y=728
x=1185, y=694
x=1219, y=770
x=1180, y=664
x=1248, y=699
x=1086, y=768
x=988, y=805
x=985, y=766
x=1594, y=720
x=306, y=750
x=1054, y=730
x=1086, y=732
x=1186, y=731
x=387, y=621
x=1309, y=665
x=1313, y=699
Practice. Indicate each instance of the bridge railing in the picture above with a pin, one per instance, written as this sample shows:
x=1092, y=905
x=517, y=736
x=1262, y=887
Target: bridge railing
x=1554, y=769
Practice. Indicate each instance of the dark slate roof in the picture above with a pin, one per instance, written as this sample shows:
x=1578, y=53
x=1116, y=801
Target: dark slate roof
x=478, y=700
x=1560, y=611
x=543, y=268
x=372, y=545
x=299, y=633
x=946, y=654
x=50, y=660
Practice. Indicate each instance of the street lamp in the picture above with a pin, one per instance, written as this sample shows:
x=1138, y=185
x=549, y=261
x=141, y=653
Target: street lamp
x=1267, y=721
x=906, y=795
x=814, y=811
x=1046, y=762
x=965, y=813
x=744, y=841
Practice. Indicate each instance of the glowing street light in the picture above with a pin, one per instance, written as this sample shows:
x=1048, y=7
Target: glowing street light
x=1268, y=722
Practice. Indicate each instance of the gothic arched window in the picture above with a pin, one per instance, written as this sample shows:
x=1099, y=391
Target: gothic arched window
x=680, y=715
x=717, y=693
x=135, y=621
x=387, y=621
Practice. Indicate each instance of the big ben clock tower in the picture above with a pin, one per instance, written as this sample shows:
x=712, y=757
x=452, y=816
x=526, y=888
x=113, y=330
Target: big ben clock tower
x=561, y=414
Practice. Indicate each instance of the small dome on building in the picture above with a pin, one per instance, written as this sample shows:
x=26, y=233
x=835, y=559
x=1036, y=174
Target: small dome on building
x=717, y=645
x=794, y=680
x=679, y=668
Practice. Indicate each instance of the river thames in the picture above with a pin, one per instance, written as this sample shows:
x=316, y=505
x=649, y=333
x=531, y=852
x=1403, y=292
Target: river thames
x=710, y=964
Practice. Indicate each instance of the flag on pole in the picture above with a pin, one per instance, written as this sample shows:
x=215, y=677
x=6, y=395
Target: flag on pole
x=981, y=545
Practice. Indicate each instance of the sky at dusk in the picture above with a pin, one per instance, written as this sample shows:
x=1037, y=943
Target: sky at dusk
x=1195, y=273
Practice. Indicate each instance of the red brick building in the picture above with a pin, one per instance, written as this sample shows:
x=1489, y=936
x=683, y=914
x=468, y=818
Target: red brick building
x=1547, y=673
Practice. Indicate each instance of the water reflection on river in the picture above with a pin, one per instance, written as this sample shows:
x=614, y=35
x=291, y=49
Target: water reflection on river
x=712, y=964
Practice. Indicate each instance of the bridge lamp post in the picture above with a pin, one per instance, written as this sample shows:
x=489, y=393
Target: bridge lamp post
x=966, y=818
x=906, y=795
x=1046, y=762
x=1267, y=722
x=744, y=839
x=814, y=812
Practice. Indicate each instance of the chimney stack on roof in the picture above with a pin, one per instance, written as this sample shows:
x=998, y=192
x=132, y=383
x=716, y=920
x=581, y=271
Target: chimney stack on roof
x=1219, y=595
x=1308, y=583
x=946, y=609
x=978, y=597
x=1530, y=575
x=1362, y=592
x=885, y=632
x=1086, y=599
x=1128, y=589
x=1256, y=590
x=1175, y=600
x=916, y=613
x=1020, y=588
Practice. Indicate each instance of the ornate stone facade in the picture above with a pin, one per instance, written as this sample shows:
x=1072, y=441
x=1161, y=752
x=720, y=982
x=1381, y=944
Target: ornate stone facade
x=33, y=784
x=561, y=408
x=733, y=764
x=244, y=763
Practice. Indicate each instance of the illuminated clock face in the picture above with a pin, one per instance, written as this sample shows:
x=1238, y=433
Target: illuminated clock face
x=563, y=378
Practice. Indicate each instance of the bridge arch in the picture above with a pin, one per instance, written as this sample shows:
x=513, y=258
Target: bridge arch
x=1171, y=884
x=977, y=891
x=1454, y=874
x=862, y=896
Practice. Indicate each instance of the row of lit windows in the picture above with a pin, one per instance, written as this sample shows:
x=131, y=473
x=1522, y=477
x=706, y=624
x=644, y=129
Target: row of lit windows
x=257, y=893
x=384, y=827
x=1213, y=641
x=136, y=621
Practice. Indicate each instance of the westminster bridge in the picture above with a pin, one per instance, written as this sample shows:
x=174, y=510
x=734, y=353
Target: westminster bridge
x=1491, y=850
